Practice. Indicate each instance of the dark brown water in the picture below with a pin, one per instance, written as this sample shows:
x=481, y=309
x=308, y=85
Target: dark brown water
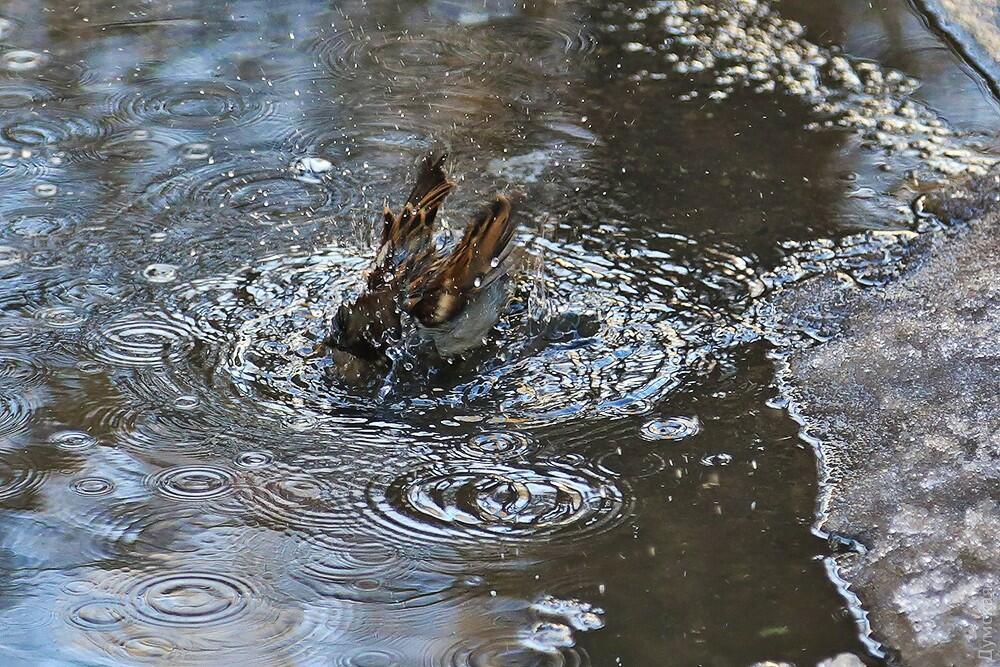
x=188, y=192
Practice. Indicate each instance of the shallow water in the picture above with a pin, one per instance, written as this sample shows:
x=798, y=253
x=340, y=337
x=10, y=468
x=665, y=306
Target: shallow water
x=189, y=191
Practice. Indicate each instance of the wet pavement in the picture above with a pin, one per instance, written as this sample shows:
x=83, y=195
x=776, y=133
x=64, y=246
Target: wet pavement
x=189, y=192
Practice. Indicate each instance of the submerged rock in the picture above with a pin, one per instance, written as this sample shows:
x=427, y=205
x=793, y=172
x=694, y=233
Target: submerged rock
x=902, y=401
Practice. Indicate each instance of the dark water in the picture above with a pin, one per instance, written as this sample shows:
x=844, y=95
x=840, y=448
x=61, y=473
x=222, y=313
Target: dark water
x=609, y=482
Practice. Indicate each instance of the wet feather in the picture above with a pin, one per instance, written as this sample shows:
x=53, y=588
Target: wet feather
x=455, y=298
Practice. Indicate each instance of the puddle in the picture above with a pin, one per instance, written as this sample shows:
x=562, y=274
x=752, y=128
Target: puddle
x=189, y=194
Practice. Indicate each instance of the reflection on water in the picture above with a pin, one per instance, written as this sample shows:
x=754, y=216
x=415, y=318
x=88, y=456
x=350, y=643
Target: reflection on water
x=190, y=190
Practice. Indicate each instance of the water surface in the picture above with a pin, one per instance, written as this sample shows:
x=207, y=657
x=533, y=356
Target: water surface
x=189, y=191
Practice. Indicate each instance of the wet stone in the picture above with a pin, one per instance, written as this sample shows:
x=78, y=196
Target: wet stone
x=188, y=476
x=921, y=352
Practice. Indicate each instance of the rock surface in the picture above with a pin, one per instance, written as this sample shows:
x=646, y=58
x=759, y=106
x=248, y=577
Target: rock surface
x=975, y=24
x=904, y=401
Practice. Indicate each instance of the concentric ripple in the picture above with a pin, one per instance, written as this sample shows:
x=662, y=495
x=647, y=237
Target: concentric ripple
x=198, y=599
x=189, y=104
x=205, y=615
x=93, y=486
x=252, y=460
x=142, y=340
x=18, y=475
x=18, y=369
x=672, y=428
x=367, y=569
x=546, y=46
x=73, y=441
x=50, y=128
x=160, y=273
x=452, y=502
x=259, y=185
x=17, y=94
x=9, y=256
x=499, y=446
x=22, y=60
x=631, y=463
x=535, y=371
x=98, y=615
x=42, y=222
x=298, y=500
x=542, y=645
x=16, y=408
x=550, y=46
x=193, y=483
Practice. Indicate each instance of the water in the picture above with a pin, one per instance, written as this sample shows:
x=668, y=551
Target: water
x=190, y=190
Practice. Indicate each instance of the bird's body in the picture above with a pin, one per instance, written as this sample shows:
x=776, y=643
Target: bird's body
x=455, y=299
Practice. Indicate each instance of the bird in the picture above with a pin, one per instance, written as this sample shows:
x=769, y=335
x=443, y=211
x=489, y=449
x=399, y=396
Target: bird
x=455, y=298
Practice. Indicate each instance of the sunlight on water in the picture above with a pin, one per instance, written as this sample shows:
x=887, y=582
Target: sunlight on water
x=190, y=192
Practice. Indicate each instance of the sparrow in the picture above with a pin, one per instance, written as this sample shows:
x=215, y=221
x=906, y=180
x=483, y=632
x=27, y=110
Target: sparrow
x=455, y=298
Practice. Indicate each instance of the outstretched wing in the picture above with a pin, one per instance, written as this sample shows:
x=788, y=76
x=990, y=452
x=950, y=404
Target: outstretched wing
x=405, y=234
x=479, y=259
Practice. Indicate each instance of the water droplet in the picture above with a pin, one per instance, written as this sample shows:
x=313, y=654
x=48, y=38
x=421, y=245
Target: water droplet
x=672, y=428
x=187, y=402
x=93, y=486
x=46, y=190
x=311, y=169
x=160, y=273
x=254, y=459
x=193, y=482
x=148, y=647
x=722, y=459
x=98, y=615
x=196, y=151
x=22, y=60
x=61, y=317
x=72, y=440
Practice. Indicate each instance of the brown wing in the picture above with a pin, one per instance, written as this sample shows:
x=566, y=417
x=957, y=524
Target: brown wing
x=479, y=259
x=405, y=233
